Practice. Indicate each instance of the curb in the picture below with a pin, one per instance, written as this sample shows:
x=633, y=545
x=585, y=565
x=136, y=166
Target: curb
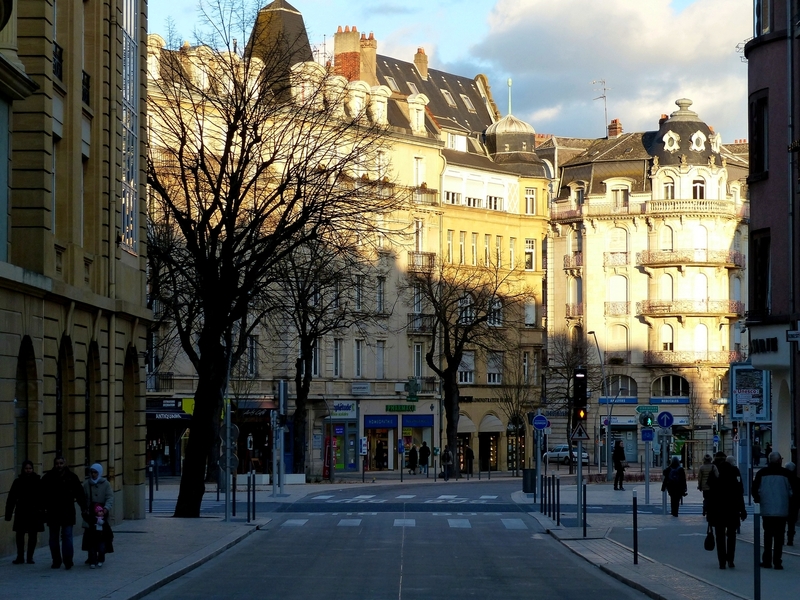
x=153, y=581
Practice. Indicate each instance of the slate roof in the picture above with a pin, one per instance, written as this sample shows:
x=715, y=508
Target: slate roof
x=279, y=25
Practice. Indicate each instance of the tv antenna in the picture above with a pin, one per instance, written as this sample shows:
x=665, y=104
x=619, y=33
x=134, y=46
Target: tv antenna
x=603, y=89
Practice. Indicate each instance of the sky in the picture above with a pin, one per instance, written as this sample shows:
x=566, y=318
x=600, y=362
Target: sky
x=649, y=52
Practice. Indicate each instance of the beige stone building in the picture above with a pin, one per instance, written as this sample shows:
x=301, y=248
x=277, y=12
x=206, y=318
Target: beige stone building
x=72, y=252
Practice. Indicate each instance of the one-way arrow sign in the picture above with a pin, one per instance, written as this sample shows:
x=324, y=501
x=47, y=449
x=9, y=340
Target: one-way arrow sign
x=579, y=433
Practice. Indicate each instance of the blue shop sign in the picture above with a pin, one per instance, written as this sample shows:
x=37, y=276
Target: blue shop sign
x=619, y=400
x=380, y=422
x=669, y=400
x=417, y=420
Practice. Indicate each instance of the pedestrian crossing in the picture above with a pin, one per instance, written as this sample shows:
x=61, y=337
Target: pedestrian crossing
x=374, y=499
x=167, y=506
x=442, y=520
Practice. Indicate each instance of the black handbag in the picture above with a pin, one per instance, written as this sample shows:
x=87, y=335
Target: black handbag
x=708, y=544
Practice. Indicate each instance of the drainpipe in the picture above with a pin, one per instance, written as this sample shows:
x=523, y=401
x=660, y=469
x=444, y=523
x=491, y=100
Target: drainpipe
x=791, y=218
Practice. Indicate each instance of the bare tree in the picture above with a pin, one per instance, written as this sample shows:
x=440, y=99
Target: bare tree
x=252, y=155
x=469, y=309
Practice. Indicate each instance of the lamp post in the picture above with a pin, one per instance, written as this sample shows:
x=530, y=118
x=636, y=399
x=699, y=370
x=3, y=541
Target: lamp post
x=608, y=412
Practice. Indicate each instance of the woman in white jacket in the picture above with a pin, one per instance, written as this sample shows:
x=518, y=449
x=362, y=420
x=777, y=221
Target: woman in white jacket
x=99, y=502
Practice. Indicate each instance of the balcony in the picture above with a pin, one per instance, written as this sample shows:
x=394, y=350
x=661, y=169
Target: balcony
x=421, y=261
x=691, y=358
x=574, y=310
x=617, y=357
x=426, y=196
x=728, y=308
x=573, y=261
x=160, y=382
x=701, y=208
x=666, y=258
x=86, y=88
x=420, y=324
x=617, y=309
x=58, y=62
x=428, y=385
x=615, y=259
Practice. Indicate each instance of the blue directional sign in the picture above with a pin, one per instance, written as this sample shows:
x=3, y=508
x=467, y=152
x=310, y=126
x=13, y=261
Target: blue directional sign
x=540, y=422
x=665, y=419
x=647, y=434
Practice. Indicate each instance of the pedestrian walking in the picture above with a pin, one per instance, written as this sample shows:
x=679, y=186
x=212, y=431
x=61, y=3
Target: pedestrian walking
x=447, y=462
x=424, y=457
x=99, y=502
x=675, y=484
x=772, y=489
x=618, y=456
x=725, y=507
x=61, y=489
x=412, y=460
x=794, y=503
x=379, y=455
x=706, y=471
x=469, y=458
x=24, y=502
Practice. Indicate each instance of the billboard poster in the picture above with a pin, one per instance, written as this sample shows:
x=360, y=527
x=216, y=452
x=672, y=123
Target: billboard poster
x=750, y=393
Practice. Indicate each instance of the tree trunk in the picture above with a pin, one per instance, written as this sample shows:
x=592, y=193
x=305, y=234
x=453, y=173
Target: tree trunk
x=451, y=398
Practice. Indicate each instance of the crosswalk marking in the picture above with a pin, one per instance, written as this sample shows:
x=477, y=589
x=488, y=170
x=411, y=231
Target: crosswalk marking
x=364, y=497
x=488, y=497
x=405, y=522
x=514, y=523
x=459, y=523
x=349, y=522
x=326, y=497
x=447, y=497
x=406, y=496
x=294, y=522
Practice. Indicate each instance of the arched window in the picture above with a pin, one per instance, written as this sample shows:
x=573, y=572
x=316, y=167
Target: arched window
x=618, y=240
x=701, y=339
x=621, y=385
x=576, y=290
x=576, y=241
x=698, y=189
x=665, y=239
x=700, y=287
x=700, y=237
x=669, y=189
x=670, y=385
x=665, y=287
x=736, y=291
x=667, y=344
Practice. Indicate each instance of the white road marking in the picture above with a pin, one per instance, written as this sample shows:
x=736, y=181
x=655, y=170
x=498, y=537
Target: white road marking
x=405, y=522
x=364, y=497
x=349, y=522
x=322, y=497
x=488, y=498
x=459, y=523
x=514, y=523
x=537, y=536
x=406, y=496
x=294, y=522
x=448, y=497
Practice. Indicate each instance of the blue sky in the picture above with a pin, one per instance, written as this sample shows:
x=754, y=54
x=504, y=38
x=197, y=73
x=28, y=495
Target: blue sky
x=650, y=52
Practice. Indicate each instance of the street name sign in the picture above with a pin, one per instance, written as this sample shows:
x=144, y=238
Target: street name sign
x=646, y=408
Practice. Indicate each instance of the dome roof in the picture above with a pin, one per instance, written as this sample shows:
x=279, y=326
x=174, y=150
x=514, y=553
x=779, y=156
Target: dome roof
x=683, y=139
x=509, y=124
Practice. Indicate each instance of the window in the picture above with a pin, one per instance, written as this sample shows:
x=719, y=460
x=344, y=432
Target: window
x=474, y=249
x=762, y=17
x=457, y=142
x=450, y=245
x=419, y=228
x=449, y=98
x=337, y=357
x=669, y=189
x=359, y=292
x=665, y=239
x=466, y=369
x=380, y=359
x=494, y=202
x=487, y=257
x=495, y=316
x=315, y=360
x=494, y=368
x=416, y=303
x=530, y=201
x=512, y=251
x=530, y=314
x=462, y=250
x=380, y=295
x=473, y=202
x=667, y=344
x=670, y=385
x=358, y=355
x=468, y=103
x=452, y=197
x=252, y=356
x=130, y=126
x=759, y=133
x=760, y=273
x=698, y=189
x=392, y=84
x=579, y=196
x=526, y=361
x=418, y=360
x=336, y=295
x=466, y=310
x=413, y=87
x=498, y=250
x=419, y=171
x=530, y=254
x=619, y=197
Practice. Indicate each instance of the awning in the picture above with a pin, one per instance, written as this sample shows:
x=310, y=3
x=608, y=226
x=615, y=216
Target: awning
x=491, y=424
x=465, y=424
x=254, y=407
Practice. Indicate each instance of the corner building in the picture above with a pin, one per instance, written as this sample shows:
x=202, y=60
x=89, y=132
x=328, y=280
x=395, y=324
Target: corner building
x=648, y=249
x=72, y=252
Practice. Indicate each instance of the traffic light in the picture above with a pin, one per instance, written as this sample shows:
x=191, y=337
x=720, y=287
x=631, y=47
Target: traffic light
x=578, y=415
x=580, y=387
x=646, y=419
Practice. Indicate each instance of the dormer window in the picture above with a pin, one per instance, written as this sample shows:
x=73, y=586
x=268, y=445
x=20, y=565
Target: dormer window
x=416, y=112
x=392, y=84
x=449, y=98
x=698, y=141
x=457, y=142
x=468, y=103
x=619, y=197
x=672, y=141
x=413, y=87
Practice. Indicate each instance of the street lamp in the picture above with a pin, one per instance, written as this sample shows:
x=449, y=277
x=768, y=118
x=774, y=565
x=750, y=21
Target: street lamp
x=605, y=393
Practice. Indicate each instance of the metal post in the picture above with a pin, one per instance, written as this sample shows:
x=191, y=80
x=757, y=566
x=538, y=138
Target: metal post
x=151, y=485
x=756, y=552
x=155, y=470
x=227, y=460
x=254, y=495
x=248, y=497
x=605, y=393
x=635, y=531
x=647, y=473
x=663, y=464
x=541, y=493
x=233, y=493
x=363, y=468
x=538, y=448
x=558, y=500
x=274, y=474
x=580, y=481
x=435, y=470
x=584, y=510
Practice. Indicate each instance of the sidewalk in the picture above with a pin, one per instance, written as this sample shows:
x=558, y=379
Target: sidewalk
x=694, y=573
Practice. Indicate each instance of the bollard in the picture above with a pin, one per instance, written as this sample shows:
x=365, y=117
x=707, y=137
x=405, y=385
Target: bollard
x=248, y=497
x=219, y=474
x=635, y=531
x=150, y=474
x=363, y=469
x=756, y=552
x=233, y=495
x=435, y=474
x=584, y=510
x=558, y=500
x=489, y=472
x=550, y=496
x=479, y=471
x=155, y=468
x=254, y=495
x=541, y=497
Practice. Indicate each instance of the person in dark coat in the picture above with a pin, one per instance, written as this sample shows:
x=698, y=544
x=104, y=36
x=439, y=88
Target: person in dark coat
x=469, y=458
x=24, y=502
x=424, y=457
x=61, y=489
x=794, y=503
x=725, y=508
x=772, y=490
x=379, y=455
x=675, y=484
x=412, y=459
x=618, y=457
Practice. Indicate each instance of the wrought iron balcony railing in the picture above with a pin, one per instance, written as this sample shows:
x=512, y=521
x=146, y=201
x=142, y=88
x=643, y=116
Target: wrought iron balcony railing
x=573, y=261
x=421, y=261
x=690, y=307
x=420, y=324
x=689, y=357
x=160, y=382
x=58, y=61
x=730, y=258
x=575, y=310
x=613, y=309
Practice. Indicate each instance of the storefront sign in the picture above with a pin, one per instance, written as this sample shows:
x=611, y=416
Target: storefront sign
x=400, y=408
x=417, y=421
x=256, y=413
x=170, y=416
x=360, y=388
x=669, y=400
x=618, y=400
x=343, y=410
x=168, y=403
x=380, y=422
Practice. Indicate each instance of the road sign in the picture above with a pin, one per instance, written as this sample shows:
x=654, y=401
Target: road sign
x=540, y=422
x=793, y=336
x=234, y=463
x=647, y=434
x=646, y=408
x=716, y=439
x=665, y=419
x=579, y=434
x=362, y=446
x=547, y=430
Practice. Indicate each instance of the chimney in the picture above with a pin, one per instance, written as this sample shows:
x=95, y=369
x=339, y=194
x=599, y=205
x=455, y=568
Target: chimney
x=421, y=62
x=369, y=51
x=614, y=129
x=347, y=53
x=662, y=120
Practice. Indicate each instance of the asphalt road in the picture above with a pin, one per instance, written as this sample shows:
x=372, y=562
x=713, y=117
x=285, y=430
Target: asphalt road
x=447, y=542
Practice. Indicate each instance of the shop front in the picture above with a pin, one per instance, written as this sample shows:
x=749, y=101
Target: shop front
x=417, y=429
x=167, y=422
x=341, y=429
x=254, y=444
x=489, y=433
x=381, y=434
